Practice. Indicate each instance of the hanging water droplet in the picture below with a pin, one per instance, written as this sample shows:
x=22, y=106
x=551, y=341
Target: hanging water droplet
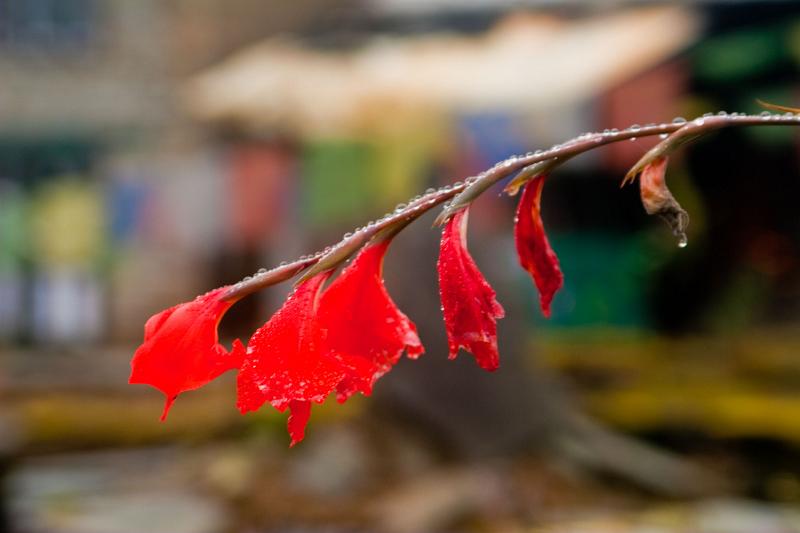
x=683, y=242
x=663, y=136
x=679, y=120
x=632, y=139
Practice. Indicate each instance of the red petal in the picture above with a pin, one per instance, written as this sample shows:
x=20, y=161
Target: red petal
x=285, y=359
x=653, y=187
x=469, y=303
x=181, y=349
x=363, y=327
x=299, y=413
x=658, y=200
x=534, y=251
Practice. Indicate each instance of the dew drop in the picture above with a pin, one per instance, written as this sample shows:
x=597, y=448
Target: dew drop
x=722, y=113
x=706, y=115
x=635, y=128
x=764, y=114
x=430, y=190
x=663, y=136
x=283, y=263
x=347, y=235
x=699, y=121
x=632, y=139
x=683, y=242
x=458, y=184
x=399, y=207
x=679, y=120
x=261, y=271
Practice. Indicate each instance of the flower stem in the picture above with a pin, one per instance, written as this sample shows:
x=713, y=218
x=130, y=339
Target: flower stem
x=501, y=170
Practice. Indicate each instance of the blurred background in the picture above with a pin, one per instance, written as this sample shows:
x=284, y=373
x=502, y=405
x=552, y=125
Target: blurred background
x=152, y=150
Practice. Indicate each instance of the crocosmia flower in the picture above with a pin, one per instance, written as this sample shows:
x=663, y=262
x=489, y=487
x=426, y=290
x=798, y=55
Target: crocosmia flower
x=533, y=249
x=469, y=303
x=287, y=363
x=658, y=200
x=362, y=326
x=181, y=349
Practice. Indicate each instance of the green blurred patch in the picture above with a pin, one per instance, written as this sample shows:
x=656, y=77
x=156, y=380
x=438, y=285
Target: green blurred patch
x=739, y=55
x=605, y=277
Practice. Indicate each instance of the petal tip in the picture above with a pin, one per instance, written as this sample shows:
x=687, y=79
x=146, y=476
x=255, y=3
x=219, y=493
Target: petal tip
x=167, y=406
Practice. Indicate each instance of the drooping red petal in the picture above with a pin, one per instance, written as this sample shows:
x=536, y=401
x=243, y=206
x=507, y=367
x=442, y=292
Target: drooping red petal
x=363, y=327
x=653, y=187
x=286, y=361
x=658, y=200
x=533, y=249
x=299, y=413
x=469, y=303
x=181, y=349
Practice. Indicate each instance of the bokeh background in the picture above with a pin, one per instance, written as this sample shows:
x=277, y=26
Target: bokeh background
x=152, y=150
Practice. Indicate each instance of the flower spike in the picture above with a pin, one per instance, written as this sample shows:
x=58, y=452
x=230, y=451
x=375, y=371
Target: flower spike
x=533, y=249
x=469, y=303
x=181, y=349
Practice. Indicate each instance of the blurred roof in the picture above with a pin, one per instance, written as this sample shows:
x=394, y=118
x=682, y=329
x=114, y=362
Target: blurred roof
x=525, y=62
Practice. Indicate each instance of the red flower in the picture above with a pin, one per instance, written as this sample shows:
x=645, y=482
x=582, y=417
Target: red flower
x=286, y=363
x=363, y=327
x=469, y=303
x=534, y=251
x=344, y=339
x=181, y=349
x=658, y=200
x=653, y=187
